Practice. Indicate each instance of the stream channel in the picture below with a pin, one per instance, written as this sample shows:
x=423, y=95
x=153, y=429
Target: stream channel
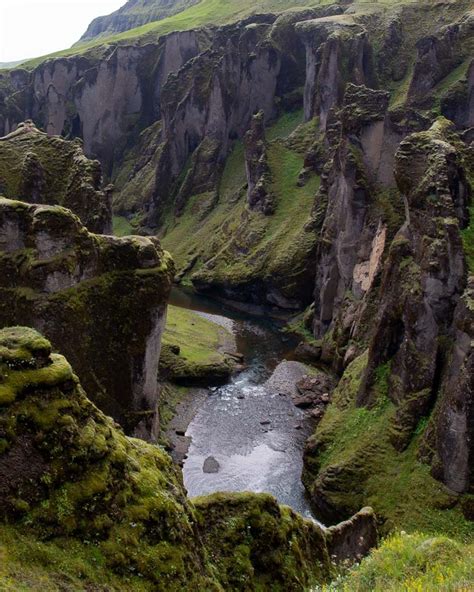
x=255, y=433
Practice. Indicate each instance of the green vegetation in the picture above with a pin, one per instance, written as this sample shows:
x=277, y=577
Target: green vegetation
x=198, y=338
x=468, y=240
x=193, y=349
x=258, y=545
x=122, y=227
x=355, y=442
x=243, y=246
x=285, y=125
x=411, y=563
x=61, y=565
x=89, y=509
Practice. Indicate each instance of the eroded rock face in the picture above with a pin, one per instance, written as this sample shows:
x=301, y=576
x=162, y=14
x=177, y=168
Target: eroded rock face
x=416, y=321
x=424, y=275
x=438, y=55
x=450, y=436
x=101, y=98
x=98, y=298
x=256, y=165
x=70, y=472
x=337, y=51
x=352, y=238
x=44, y=170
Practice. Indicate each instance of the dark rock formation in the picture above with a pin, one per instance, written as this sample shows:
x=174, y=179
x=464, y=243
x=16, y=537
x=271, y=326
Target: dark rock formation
x=424, y=276
x=438, y=55
x=39, y=169
x=416, y=376
x=314, y=392
x=352, y=237
x=337, y=51
x=66, y=96
x=256, y=165
x=353, y=538
x=450, y=435
x=98, y=298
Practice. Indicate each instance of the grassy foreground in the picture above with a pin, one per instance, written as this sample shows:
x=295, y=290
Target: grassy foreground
x=411, y=563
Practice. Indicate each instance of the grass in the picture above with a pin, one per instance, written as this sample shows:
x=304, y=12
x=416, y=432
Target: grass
x=412, y=563
x=121, y=226
x=266, y=245
x=285, y=125
x=468, y=240
x=198, y=338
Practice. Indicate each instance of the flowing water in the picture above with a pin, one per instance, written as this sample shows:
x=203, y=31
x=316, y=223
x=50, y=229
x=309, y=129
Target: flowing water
x=255, y=434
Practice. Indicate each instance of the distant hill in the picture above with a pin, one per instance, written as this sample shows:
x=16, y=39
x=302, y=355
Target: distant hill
x=4, y=65
x=134, y=14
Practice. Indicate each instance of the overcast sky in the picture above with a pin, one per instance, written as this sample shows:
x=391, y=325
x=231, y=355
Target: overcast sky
x=31, y=28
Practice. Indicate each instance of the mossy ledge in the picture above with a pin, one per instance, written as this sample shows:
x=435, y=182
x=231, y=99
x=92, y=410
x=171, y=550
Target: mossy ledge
x=70, y=479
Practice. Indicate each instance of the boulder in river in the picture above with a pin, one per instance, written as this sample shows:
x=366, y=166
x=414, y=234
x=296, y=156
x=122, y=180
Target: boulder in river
x=211, y=465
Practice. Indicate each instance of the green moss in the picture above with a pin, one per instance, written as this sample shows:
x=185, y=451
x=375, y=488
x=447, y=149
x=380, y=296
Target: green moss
x=122, y=226
x=191, y=345
x=413, y=563
x=468, y=240
x=257, y=545
x=353, y=443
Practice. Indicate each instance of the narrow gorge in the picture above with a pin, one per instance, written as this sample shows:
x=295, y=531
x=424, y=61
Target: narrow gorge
x=237, y=300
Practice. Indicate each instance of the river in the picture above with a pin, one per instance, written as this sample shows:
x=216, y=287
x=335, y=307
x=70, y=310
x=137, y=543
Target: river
x=252, y=436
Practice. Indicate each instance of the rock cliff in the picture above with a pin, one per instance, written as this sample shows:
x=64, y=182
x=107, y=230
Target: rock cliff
x=100, y=299
x=417, y=345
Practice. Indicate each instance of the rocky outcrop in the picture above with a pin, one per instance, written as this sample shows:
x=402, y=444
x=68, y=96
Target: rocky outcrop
x=424, y=276
x=337, y=51
x=44, y=170
x=449, y=438
x=412, y=387
x=256, y=165
x=353, y=538
x=100, y=299
x=69, y=473
x=352, y=238
x=134, y=13
x=438, y=55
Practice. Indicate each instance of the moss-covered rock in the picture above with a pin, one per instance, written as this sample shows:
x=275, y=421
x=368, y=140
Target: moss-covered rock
x=100, y=299
x=70, y=478
x=40, y=169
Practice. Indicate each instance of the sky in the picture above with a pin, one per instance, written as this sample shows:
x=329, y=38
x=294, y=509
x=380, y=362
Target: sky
x=32, y=28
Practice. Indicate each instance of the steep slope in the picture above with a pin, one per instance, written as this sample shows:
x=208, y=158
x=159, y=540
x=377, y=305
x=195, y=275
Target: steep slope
x=133, y=14
x=69, y=477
